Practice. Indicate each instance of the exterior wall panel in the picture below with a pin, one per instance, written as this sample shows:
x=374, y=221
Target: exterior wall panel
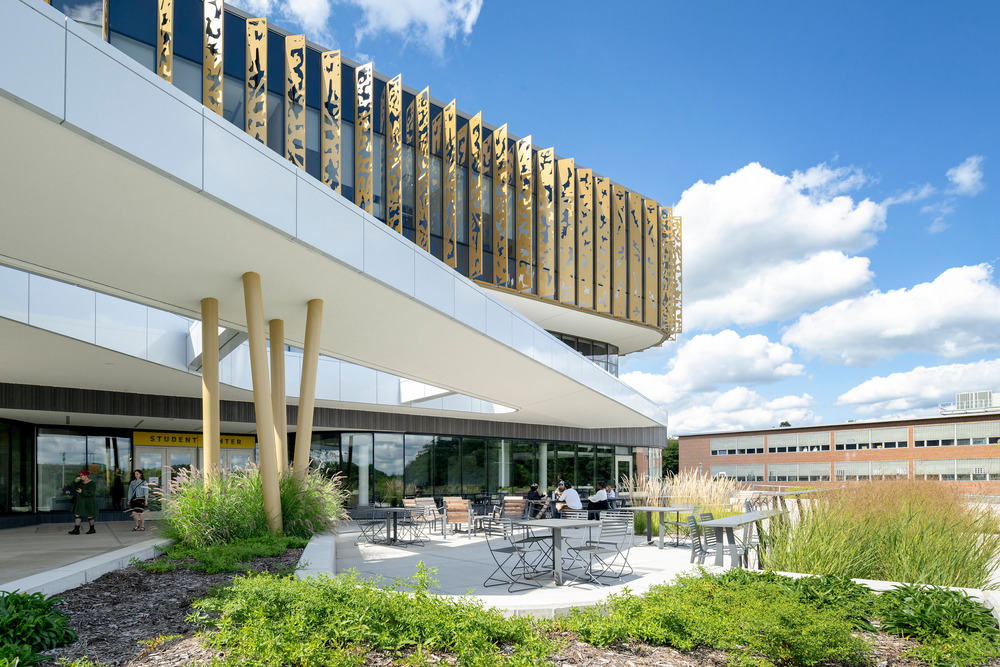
x=651, y=261
x=256, y=78
x=525, y=204
x=636, y=241
x=585, y=238
x=450, y=166
x=501, y=189
x=619, y=251
x=165, y=39
x=477, y=171
x=603, y=257
x=423, y=157
x=295, y=100
x=546, y=224
x=211, y=92
x=566, y=196
x=330, y=138
x=363, y=151
x=393, y=114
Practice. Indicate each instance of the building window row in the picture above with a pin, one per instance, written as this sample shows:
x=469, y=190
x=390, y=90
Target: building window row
x=603, y=354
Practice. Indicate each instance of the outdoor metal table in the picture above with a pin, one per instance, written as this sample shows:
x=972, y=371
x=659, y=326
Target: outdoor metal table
x=556, y=526
x=661, y=511
x=728, y=524
x=392, y=520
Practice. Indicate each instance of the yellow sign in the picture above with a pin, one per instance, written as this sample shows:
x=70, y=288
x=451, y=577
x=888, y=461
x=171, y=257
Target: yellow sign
x=189, y=440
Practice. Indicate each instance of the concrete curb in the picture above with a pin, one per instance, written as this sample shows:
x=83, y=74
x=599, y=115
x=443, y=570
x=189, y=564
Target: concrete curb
x=319, y=557
x=84, y=571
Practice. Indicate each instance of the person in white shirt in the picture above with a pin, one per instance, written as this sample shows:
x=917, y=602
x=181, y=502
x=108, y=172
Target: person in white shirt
x=599, y=499
x=611, y=496
x=569, y=499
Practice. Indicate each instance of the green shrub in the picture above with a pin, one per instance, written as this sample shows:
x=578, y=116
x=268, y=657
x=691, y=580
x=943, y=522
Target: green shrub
x=268, y=620
x=756, y=620
x=232, y=509
x=29, y=624
x=894, y=531
x=952, y=628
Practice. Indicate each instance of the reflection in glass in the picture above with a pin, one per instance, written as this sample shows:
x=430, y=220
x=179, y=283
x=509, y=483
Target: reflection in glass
x=447, y=466
x=16, y=490
x=356, y=454
x=387, y=469
x=419, y=457
x=473, y=466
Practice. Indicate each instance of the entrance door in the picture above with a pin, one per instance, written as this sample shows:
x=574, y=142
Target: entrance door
x=623, y=468
x=236, y=459
x=161, y=464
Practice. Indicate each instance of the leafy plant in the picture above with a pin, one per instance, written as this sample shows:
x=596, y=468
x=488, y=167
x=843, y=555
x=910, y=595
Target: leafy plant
x=268, y=620
x=29, y=624
x=756, y=620
x=232, y=556
x=232, y=508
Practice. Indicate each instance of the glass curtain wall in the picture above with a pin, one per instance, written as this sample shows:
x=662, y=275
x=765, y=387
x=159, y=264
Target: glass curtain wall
x=17, y=489
x=387, y=469
x=419, y=462
x=63, y=453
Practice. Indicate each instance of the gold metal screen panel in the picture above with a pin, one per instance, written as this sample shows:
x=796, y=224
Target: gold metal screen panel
x=165, y=39
x=671, y=274
x=501, y=183
x=256, y=90
x=585, y=238
x=525, y=203
x=619, y=251
x=463, y=145
x=295, y=100
x=603, y=258
x=423, y=159
x=566, y=227
x=651, y=259
x=636, y=240
x=394, y=153
x=477, y=171
x=450, y=166
x=106, y=20
x=546, y=223
x=331, y=111
x=212, y=74
x=364, y=78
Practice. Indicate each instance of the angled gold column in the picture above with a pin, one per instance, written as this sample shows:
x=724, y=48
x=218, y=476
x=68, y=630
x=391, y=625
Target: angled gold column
x=585, y=238
x=636, y=241
x=422, y=220
x=477, y=177
x=566, y=228
x=210, y=388
x=307, y=390
x=295, y=100
x=278, y=395
x=364, y=78
x=262, y=399
x=525, y=204
x=450, y=166
x=331, y=110
x=212, y=73
x=256, y=91
x=501, y=187
x=393, y=113
x=165, y=39
x=545, y=223
x=603, y=259
x=651, y=259
x=619, y=251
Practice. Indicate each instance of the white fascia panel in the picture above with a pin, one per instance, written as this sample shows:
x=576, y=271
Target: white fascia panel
x=33, y=53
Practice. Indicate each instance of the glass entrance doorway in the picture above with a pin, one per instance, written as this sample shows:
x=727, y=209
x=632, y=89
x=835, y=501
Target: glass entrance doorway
x=161, y=464
x=623, y=466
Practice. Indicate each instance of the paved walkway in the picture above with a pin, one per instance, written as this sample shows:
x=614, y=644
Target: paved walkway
x=45, y=558
x=463, y=564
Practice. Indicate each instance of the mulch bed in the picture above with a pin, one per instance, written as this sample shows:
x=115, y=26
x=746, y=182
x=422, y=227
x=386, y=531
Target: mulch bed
x=119, y=617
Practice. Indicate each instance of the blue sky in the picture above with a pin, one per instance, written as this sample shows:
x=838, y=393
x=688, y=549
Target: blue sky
x=833, y=163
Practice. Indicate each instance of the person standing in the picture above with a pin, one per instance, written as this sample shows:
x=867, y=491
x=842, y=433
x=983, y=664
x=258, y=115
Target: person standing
x=138, y=499
x=85, y=504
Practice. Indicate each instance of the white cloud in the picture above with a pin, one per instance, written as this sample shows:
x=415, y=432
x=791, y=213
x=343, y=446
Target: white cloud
x=429, y=23
x=921, y=389
x=911, y=195
x=709, y=360
x=783, y=291
x=311, y=16
x=742, y=409
x=955, y=315
x=757, y=226
x=967, y=178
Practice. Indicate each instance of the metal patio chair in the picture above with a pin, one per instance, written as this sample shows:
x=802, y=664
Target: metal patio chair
x=607, y=556
x=516, y=558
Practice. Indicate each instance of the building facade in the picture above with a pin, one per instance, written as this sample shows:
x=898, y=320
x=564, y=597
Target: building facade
x=475, y=291
x=957, y=448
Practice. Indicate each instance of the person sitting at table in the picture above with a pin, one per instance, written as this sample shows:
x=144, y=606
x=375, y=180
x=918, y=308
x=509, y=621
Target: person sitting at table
x=612, y=498
x=568, y=499
x=599, y=499
x=534, y=506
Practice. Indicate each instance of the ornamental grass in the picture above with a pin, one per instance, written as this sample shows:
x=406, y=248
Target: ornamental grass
x=911, y=531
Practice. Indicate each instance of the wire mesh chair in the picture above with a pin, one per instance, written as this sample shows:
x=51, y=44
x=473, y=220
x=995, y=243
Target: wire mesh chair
x=506, y=546
x=607, y=556
x=371, y=524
